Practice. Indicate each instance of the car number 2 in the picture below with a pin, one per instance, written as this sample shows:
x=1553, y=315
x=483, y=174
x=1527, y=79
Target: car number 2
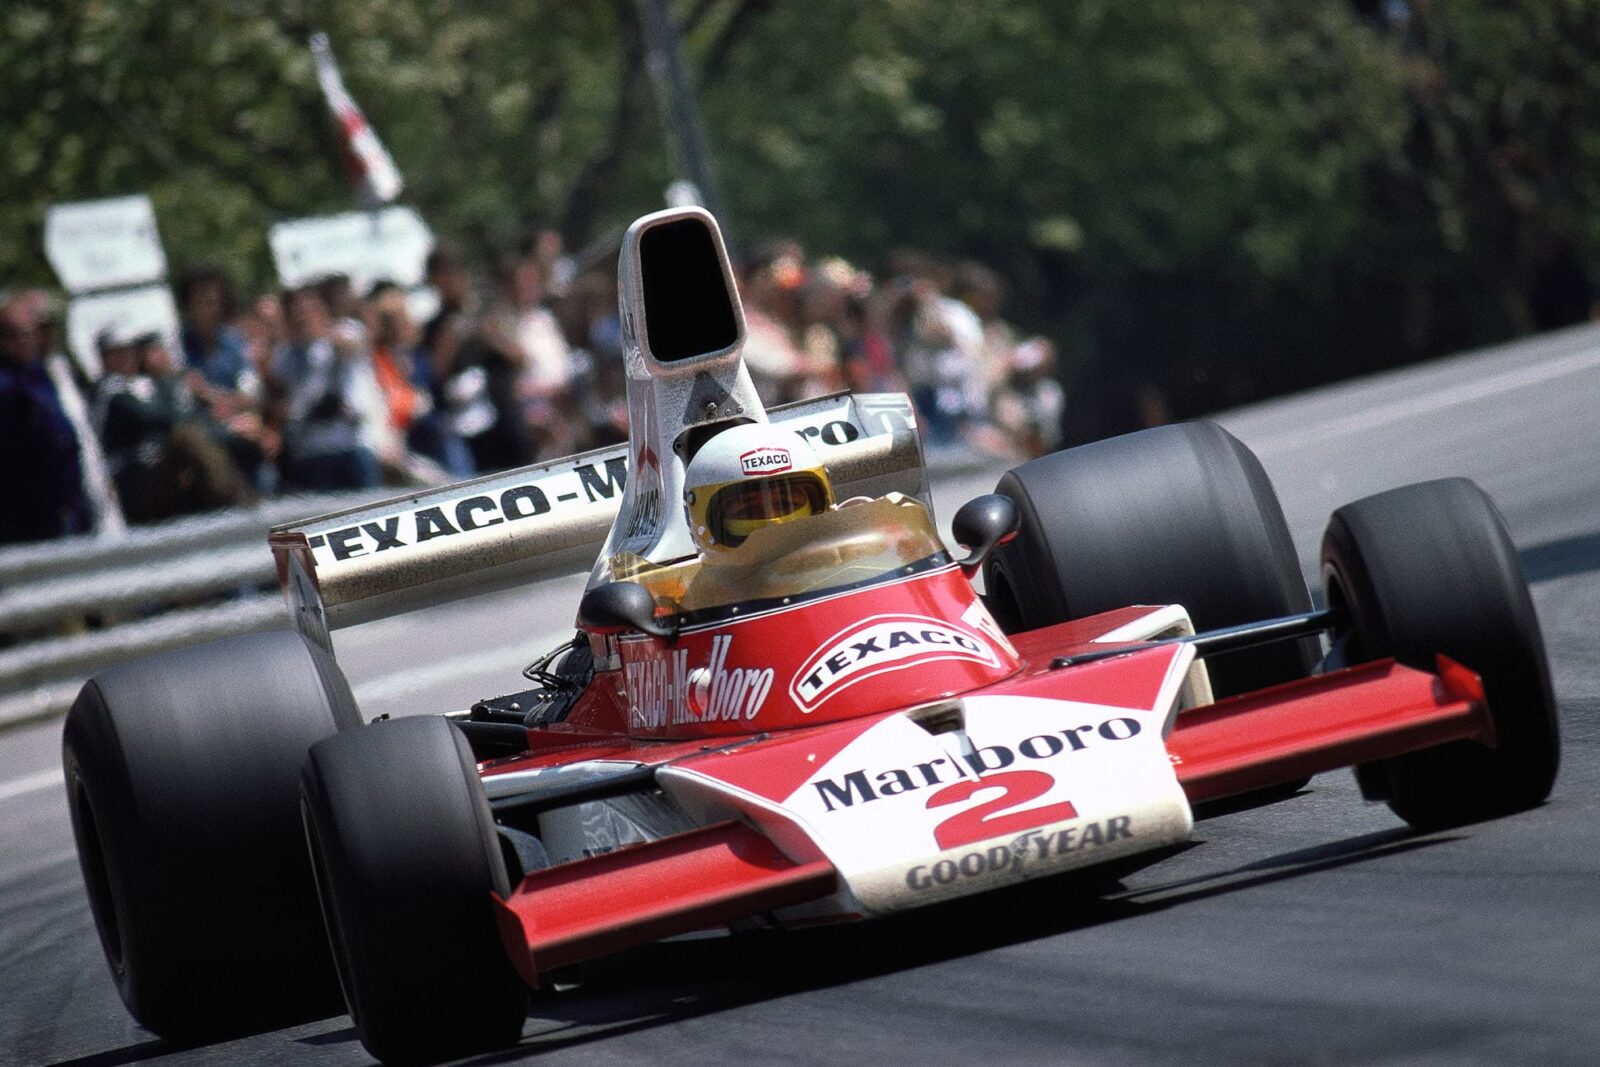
x=994, y=817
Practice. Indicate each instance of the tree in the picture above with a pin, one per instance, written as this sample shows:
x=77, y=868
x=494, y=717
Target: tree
x=1147, y=174
x=212, y=108
x=1204, y=202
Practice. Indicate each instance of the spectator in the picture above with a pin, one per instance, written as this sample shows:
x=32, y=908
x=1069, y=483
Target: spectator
x=458, y=379
x=866, y=352
x=822, y=326
x=979, y=289
x=528, y=366
x=266, y=325
x=768, y=285
x=405, y=382
x=364, y=396
x=41, y=475
x=211, y=345
x=265, y=333
x=546, y=248
x=323, y=444
x=939, y=340
x=600, y=389
x=347, y=316
x=1029, y=405
x=162, y=448
x=222, y=374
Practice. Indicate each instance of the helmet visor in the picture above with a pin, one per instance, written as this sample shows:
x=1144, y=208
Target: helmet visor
x=743, y=507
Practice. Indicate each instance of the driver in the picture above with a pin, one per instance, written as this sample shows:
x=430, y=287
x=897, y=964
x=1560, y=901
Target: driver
x=748, y=477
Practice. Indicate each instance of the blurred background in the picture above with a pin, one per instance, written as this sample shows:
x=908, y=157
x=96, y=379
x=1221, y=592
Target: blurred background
x=1049, y=221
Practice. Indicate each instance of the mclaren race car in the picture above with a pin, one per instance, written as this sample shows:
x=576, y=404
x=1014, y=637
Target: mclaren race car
x=786, y=702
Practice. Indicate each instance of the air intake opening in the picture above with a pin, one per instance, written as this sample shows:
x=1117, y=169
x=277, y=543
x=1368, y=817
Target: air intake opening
x=945, y=717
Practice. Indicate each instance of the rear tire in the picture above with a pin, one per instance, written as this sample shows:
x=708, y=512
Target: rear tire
x=406, y=855
x=1178, y=514
x=1429, y=569
x=182, y=784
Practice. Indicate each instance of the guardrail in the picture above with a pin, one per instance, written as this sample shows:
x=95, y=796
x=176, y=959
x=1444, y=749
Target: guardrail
x=165, y=541
x=151, y=589
x=40, y=679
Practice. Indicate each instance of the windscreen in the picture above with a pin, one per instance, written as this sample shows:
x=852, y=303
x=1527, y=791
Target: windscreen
x=687, y=310
x=833, y=550
x=847, y=548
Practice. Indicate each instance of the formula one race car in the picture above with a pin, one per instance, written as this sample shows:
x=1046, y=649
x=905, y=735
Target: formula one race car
x=786, y=702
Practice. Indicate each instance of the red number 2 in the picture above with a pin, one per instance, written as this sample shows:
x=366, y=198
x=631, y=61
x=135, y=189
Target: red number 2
x=984, y=820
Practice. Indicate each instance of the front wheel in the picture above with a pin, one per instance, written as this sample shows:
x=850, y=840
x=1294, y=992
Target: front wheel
x=405, y=854
x=1429, y=569
x=183, y=787
x=1180, y=514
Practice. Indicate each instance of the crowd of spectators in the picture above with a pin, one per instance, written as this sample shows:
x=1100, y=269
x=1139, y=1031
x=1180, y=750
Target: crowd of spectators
x=41, y=475
x=324, y=388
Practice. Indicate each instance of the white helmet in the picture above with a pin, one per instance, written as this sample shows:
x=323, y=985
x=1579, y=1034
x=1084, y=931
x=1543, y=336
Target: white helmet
x=750, y=476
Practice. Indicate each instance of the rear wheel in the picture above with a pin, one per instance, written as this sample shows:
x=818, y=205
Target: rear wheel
x=183, y=787
x=406, y=855
x=1429, y=569
x=1178, y=514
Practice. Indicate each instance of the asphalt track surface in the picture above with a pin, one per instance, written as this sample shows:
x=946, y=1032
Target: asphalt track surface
x=1317, y=930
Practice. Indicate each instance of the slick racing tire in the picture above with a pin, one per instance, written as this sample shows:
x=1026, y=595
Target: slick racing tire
x=1428, y=569
x=1179, y=514
x=182, y=776
x=406, y=855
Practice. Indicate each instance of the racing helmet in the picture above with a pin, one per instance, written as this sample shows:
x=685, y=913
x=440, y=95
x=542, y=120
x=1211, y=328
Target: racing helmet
x=750, y=476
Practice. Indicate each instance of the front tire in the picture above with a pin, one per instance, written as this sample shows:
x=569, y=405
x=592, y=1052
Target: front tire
x=182, y=785
x=1428, y=569
x=406, y=855
x=1179, y=514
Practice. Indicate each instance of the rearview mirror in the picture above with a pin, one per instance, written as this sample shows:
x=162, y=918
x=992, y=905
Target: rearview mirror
x=618, y=606
x=984, y=524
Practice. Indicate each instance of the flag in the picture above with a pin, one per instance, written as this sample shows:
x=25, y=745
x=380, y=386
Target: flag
x=370, y=166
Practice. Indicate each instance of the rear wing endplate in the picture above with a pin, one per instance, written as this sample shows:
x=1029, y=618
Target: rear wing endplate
x=507, y=529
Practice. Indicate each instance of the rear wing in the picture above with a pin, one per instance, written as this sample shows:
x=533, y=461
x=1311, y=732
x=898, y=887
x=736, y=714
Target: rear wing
x=540, y=521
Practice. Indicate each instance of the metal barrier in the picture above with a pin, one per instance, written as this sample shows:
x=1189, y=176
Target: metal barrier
x=137, y=585
x=115, y=592
x=41, y=679
x=168, y=540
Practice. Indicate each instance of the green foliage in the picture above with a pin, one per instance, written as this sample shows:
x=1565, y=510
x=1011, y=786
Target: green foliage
x=212, y=107
x=1217, y=199
x=1137, y=135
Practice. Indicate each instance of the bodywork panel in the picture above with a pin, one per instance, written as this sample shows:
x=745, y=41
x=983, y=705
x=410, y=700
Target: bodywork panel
x=1041, y=772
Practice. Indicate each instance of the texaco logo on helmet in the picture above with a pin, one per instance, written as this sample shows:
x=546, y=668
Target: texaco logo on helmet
x=765, y=460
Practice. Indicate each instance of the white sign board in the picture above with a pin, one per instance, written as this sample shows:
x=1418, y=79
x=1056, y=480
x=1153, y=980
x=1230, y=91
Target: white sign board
x=127, y=313
x=391, y=244
x=101, y=244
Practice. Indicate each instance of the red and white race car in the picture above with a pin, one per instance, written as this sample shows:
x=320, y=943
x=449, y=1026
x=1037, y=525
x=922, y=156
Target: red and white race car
x=786, y=702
